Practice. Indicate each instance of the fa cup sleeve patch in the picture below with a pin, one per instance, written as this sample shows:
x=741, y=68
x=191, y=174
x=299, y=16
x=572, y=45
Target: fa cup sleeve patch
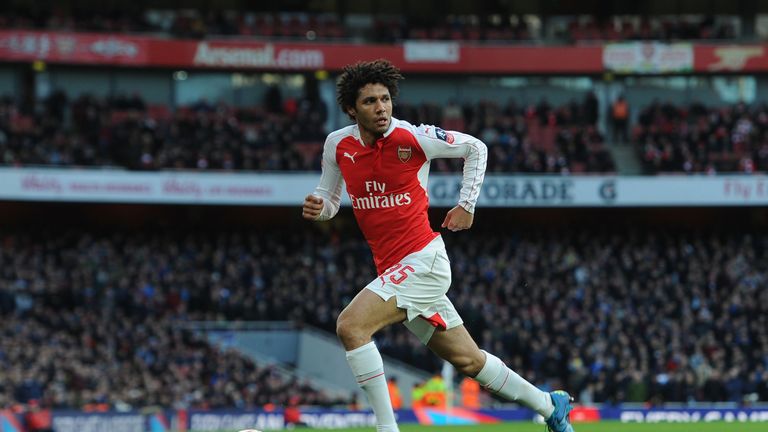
x=443, y=135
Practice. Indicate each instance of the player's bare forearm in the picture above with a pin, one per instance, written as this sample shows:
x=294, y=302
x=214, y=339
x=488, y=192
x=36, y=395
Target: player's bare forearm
x=458, y=219
x=313, y=206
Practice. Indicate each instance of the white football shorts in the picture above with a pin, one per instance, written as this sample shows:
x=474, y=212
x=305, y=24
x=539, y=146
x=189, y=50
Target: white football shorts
x=419, y=283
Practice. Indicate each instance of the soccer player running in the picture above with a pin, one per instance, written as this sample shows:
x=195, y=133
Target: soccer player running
x=385, y=164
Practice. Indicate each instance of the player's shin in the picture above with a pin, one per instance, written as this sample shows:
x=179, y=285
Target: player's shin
x=368, y=367
x=503, y=381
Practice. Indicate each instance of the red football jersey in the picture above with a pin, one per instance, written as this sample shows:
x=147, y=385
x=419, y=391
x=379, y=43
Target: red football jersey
x=387, y=183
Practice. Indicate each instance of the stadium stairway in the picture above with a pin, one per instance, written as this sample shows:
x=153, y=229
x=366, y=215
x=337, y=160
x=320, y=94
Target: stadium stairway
x=626, y=159
x=306, y=352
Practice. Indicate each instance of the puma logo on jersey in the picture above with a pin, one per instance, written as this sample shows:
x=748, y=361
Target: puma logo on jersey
x=350, y=156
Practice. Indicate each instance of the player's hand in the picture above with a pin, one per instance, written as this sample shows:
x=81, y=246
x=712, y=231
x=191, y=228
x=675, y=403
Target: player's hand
x=313, y=205
x=458, y=219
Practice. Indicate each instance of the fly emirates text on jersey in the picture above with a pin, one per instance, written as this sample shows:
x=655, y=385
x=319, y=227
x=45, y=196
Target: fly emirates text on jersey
x=375, y=201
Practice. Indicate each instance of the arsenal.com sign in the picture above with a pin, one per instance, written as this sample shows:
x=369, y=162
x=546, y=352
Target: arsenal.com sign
x=262, y=57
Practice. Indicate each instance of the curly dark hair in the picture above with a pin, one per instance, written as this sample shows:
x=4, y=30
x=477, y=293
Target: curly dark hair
x=358, y=75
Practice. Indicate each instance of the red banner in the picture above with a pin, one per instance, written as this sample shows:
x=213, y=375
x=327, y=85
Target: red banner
x=730, y=58
x=428, y=56
x=140, y=51
x=76, y=48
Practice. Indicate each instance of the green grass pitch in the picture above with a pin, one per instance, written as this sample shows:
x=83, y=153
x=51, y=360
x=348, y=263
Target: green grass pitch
x=579, y=427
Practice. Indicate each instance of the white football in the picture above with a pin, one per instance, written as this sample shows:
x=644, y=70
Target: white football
x=249, y=430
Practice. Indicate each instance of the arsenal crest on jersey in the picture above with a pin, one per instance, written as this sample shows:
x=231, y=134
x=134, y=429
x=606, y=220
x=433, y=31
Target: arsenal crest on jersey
x=404, y=153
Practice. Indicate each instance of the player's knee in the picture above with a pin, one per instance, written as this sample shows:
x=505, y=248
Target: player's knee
x=343, y=326
x=347, y=331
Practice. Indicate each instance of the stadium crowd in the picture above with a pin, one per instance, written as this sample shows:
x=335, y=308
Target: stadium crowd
x=701, y=139
x=653, y=28
x=280, y=134
x=87, y=325
x=286, y=134
x=643, y=316
x=125, y=132
x=382, y=28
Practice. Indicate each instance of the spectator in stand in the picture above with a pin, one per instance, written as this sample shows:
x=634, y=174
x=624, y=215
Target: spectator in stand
x=591, y=109
x=620, y=119
x=394, y=393
x=435, y=392
x=292, y=414
x=273, y=100
x=470, y=393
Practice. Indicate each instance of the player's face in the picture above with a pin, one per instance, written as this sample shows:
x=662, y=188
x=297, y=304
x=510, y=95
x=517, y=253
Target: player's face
x=373, y=109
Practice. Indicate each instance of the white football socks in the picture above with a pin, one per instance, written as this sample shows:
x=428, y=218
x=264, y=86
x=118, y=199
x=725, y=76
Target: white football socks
x=368, y=367
x=501, y=380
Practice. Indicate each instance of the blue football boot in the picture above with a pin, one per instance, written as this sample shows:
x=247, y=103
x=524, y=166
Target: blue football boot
x=560, y=420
